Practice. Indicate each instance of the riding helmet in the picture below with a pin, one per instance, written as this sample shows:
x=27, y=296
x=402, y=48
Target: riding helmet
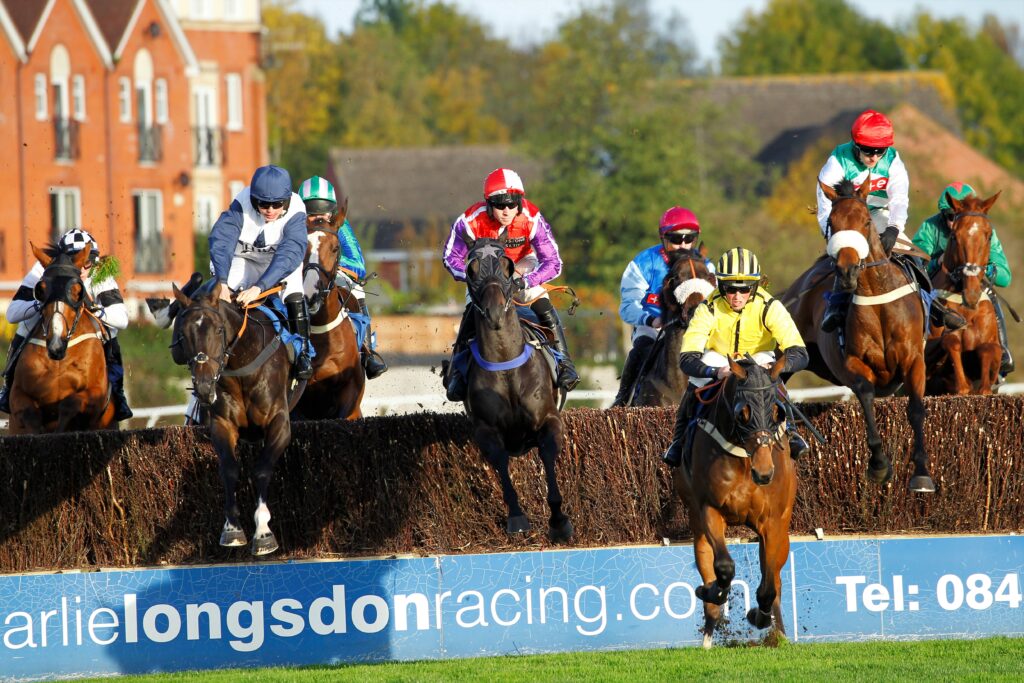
x=318, y=195
x=738, y=265
x=958, y=191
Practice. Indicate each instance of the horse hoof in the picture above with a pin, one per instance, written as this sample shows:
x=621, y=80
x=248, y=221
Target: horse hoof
x=879, y=475
x=707, y=641
x=232, y=538
x=560, y=533
x=922, y=483
x=519, y=524
x=759, y=619
x=264, y=545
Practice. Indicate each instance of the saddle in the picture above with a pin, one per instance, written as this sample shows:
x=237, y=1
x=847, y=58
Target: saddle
x=539, y=337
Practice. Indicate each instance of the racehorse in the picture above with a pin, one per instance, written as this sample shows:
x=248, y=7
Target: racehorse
x=60, y=382
x=511, y=395
x=240, y=373
x=884, y=330
x=337, y=385
x=687, y=283
x=958, y=283
x=741, y=473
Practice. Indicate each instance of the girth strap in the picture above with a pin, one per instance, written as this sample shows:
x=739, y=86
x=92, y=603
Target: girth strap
x=254, y=365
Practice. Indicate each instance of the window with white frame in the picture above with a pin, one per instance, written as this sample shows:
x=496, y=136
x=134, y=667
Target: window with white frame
x=124, y=99
x=232, y=9
x=234, y=187
x=78, y=97
x=206, y=213
x=201, y=9
x=149, y=224
x=160, y=97
x=233, y=85
x=65, y=210
x=40, y=96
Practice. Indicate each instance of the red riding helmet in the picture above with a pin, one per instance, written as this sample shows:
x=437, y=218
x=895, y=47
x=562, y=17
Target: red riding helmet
x=872, y=129
x=503, y=181
x=678, y=218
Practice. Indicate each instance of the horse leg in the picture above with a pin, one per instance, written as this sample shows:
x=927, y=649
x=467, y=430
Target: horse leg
x=493, y=447
x=716, y=592
x=774, y=551
x=704, y=555
x=879, y=467
x=953, y=346
x=69, y=408
x=278, y=436
x=224, y=436
x=921, y=482
x=559, y=527
x=989, y=358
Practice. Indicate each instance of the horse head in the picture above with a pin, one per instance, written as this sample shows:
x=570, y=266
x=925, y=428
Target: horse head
x=201, y=328
x=970, y=239
x=851, y=232
x=61, y=295
x=756, y=415
x=489, y=274
x=687, y=283
x=323, y=257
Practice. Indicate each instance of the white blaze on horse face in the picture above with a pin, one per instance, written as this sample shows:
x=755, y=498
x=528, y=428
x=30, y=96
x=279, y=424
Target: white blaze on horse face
x=57, y=321
x=973, y=229
x=312, y=277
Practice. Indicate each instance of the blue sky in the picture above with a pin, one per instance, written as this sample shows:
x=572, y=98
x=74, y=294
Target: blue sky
x=531, y=20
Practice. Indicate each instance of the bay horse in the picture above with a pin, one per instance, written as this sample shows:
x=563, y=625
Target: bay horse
x=884, y=329
x=60, y=382
x=513, y=401
x=240, y=374
x=338, y=382
x=958, y=283
x=741, y=473
x=688, y=282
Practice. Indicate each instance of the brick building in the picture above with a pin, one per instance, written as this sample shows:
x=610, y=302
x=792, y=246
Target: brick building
x=136, y=119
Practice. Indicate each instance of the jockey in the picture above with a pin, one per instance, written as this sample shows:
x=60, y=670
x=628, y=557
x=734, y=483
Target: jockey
x=260, y=241
x=870, y=152
x=506, y=214
x=640, y=290
x=932, y=238
x=105, y=303
x=321, y=212
x=740, y=318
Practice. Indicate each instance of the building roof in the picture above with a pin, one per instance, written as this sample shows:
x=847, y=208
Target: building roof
x=113, y=17
x=25, y=14
x=10, y=30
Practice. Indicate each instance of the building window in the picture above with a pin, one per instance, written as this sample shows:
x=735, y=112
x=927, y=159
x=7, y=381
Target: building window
x=65, y=210
x=78, y=97
x=150, y=250
x=233, y=83
x=124, y=99
x=160, y=95
x=202, y=9
x=233, y=9
x=234, y=187
x=40, y=96
x=206, y=213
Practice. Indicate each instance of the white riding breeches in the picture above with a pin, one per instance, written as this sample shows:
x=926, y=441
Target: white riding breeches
x=351, y=285
x=245, y=271
x=717, y=360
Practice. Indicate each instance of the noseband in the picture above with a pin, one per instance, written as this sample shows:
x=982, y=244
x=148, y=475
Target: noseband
x=201, y=357
x=958, y=273
x=73, y=275
x=831, y=234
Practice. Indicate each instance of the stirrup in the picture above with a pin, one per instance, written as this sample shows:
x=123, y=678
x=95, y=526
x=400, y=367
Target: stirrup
x=832, y=321
x=373, y=365
x=797, y=446
x=5, y=400
x=673, y=455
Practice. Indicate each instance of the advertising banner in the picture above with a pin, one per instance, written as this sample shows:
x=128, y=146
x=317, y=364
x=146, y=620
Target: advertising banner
x=266, y=614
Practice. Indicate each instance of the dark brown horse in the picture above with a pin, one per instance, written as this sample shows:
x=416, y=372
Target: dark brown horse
x=687, y=283
x=958, y=283
x=884, y=329
x=60, y=383
x=741, y=473
x=336, y=387
x=513, y=401
x=240, y=373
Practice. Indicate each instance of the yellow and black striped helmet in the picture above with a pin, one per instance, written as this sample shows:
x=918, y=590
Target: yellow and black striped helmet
x=738, y=264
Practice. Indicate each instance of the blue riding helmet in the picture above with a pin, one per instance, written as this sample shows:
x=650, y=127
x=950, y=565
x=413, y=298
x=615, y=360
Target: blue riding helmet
x=270, y=184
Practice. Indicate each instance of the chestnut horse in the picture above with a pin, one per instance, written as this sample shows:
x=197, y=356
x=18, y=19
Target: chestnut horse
x=958, y=283
x=741, y=473
x=884, y=329
x=337, y=385
x=60, y=382
x=240, y=374
x=687, y=283
x=512, y=398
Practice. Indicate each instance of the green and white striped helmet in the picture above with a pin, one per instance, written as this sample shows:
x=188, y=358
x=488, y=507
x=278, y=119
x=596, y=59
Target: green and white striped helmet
x=318, y=195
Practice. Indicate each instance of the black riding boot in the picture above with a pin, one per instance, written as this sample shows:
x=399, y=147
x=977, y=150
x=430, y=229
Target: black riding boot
x=1006, y=363
x=797, y=445
x=939, y=314
x=373, y=365
x=630, y=370
x=835, y=310
x=12, y=362
x=455, y=383
x=546, y=315
x=673, y=456
x=115, y=376
x=298, y=322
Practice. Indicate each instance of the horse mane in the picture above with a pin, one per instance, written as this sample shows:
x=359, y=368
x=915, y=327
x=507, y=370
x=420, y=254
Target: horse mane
x=845, y=188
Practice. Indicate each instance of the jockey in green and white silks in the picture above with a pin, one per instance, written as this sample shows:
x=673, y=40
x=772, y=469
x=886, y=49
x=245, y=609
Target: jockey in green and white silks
x=321, y=213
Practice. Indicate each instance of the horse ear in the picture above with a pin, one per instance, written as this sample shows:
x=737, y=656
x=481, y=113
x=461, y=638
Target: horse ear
x=738, y=370
x=342, y=212
x=829, y=191
x=954, y=203
x=987, y=203
x=81, y=258
x=777, y=367
x=215, y=292
x=179, y=296
x=865, y=188
x=40, y=255
x=702, y=250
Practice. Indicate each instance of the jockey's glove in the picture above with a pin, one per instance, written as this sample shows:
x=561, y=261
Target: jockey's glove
x=519, y=283
x=889, y=237
x=990, y=272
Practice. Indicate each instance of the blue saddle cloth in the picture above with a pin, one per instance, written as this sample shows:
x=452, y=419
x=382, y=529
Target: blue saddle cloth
x=275, y=310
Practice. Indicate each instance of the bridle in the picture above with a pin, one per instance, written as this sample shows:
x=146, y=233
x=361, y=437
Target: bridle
x=861, y=263
x=73, y=273
x=201, y=357
x=492, y=276
x=764, y=431
x=958, y=273
x=322, y=290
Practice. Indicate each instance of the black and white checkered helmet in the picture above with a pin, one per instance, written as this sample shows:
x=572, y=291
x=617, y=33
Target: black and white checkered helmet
x=75, y=240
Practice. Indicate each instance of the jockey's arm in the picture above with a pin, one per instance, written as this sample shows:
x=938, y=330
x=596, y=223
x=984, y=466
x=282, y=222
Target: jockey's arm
x=695, y=341
x=24, y=306
x=351, y=253
x=632, y=290
x=780, y=323
x=999, y=267
x=830, y=174
x=898, y=190
x=110, y=304
x=456, y=249
x=549, y=263
x=223, y=239
x=291, y=250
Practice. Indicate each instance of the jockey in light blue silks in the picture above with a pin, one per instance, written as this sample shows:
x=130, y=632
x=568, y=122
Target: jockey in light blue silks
x=261, y=241
x=321, y=211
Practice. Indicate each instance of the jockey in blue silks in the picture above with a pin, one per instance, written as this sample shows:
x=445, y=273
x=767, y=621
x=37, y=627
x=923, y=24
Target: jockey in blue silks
x=640, y=290
x=321, y=212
